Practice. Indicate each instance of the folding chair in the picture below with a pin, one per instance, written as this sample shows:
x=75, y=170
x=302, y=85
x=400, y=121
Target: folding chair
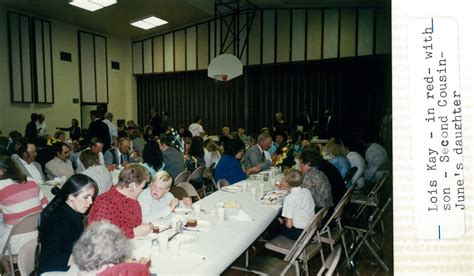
x=26, y=257
x=330, y=234
x=208, y=180
x=370, y=198
x=283, y=245
x=27, y=224
x=190, y=190
x=196, y=177
x=178, y=192
x=182, y=177
x=269, y=265
x=331, y=262
x=363, y=230
x=222, y=183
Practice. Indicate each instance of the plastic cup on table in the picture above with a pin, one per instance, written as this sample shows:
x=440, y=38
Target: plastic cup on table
x=197, y=210
x=262, y=188
x=253, y=190
x=221, y=213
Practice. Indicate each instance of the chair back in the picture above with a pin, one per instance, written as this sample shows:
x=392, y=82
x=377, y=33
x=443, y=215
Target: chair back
x=339, y=209
x=182, y=177
x=222, y=183
x=376, y=188
x=26, y=257
x=331, y=262
x=209, y=172
x=305, y=237
x=178, y=192
x=350, y=174
x=189, y=188
x=28, y=223
x=197, y=173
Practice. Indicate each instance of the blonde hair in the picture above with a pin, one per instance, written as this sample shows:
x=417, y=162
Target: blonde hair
x=162, y=178
x=293, y=177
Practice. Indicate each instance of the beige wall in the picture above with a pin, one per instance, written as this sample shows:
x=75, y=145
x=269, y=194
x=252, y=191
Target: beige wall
x=66, y=81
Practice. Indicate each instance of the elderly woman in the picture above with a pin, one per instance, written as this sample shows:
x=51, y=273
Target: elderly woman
x=62, y=222
x=229, y=167
x=98, y=172
x=156, y=201
x=315, y=180
x=19, y=197
x=101, y=247
x=211, y=152
x=120, y=206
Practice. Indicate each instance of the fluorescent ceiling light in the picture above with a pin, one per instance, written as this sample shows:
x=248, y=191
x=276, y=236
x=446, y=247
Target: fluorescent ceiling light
x=149, y=22
x=92, y=5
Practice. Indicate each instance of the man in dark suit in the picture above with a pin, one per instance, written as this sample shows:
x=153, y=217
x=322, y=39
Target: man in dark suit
x=99, y=129
x=30, y=132
x=155, y=122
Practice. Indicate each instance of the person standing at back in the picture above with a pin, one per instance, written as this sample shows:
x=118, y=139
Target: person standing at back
x=113, y=131
x=99, y=129
x=30, y=132
x=196, y=128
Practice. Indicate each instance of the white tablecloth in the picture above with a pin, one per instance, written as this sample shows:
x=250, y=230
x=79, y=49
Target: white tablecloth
x=217, y=248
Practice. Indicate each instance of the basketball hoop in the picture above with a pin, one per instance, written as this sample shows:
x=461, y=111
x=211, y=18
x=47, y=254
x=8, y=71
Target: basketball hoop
x=221, y=77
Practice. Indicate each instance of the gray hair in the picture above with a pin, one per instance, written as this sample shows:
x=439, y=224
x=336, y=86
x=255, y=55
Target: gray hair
x=102, y=243
x=262, y=137
x=109, y=116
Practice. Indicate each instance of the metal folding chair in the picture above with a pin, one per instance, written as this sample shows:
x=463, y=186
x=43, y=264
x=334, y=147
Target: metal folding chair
x=196, y=177
x=269, y=265
x=209, y=184
x=189, y=188
x=182, y=177
x=27, y=224
x=369, y=198
x=222, y=183
x=26, y=257
x=331, y=234
x=331, y=262
x=362, y=229
x=283, y=245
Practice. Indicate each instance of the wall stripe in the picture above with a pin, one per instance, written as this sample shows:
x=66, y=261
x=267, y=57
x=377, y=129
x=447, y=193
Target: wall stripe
x=268, y=40
x=191, y=48
x=331, y=33
x=298, y=36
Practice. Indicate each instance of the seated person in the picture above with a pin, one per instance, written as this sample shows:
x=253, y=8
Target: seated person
x=153, y=158
x=229, y=167
x=156, y=201
x=120, y=155
x=19, y=197
x=337, y=157
x=376, y=156
x=195, y=159
x=100, y=248
x=96, y=146
x=298, y=205
x=315, y=180
x=255, y=155
x=60, y=165
x=120, y=206
x=98, y=172
x=62, y=222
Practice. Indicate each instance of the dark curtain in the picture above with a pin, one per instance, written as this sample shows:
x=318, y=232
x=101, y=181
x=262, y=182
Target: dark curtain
x=356, y=90
x=185, y=95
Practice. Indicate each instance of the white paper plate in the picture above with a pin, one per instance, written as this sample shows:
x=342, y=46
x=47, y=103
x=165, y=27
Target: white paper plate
x=201, y=226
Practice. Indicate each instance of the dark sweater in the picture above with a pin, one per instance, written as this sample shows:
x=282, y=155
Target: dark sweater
x=58, y=233
x=338, y=188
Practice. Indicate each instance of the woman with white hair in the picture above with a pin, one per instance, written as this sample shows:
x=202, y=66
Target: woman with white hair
x=101, y=247
x=156, y=201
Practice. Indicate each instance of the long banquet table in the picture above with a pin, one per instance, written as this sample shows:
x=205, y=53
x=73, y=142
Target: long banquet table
x=216, y=248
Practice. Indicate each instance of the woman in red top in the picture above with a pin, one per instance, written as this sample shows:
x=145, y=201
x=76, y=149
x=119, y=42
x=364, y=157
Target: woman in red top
x=120, y=206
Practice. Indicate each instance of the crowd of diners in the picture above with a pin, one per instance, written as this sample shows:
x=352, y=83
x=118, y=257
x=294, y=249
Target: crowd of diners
x=87, y=225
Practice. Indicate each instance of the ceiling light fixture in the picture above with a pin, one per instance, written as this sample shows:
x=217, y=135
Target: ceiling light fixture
x=92, y=5
x=148, y=22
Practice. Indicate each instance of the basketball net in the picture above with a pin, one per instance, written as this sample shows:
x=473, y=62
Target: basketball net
x=222, y=77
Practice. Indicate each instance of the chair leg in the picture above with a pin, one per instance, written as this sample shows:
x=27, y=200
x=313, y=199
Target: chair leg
x=345, y=250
